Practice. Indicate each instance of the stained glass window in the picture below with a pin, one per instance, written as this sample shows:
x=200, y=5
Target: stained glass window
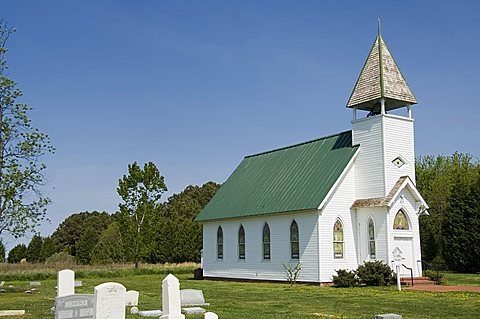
x=294, y=242
x=401, y=222
x=220, y=243
x=266, y=241
x=338, y=239
x=241, y=243
x=371, y=239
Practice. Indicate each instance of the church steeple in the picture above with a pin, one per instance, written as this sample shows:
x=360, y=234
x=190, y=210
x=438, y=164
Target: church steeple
x=380, y=85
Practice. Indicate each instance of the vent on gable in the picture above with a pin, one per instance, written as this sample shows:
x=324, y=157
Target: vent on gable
x=399, y=161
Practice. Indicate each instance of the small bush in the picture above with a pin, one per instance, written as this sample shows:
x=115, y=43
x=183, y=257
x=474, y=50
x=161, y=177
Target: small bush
x=60, y=258
x=345, y=278
x=375, y=273
x=292, y=272
x=435, y=276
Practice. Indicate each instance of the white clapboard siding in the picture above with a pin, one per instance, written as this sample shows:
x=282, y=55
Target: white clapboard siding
x=398, y=132
x=254, y=267
x=338, y=207
x=379, y=216
x=369, y=164
x=406, y=201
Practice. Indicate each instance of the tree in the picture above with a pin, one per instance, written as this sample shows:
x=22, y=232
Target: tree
x=190, y=201
x=49, y=247
x=2, y=252
x=86, y=244
x=34, y=249
x=109, y=247
x=17, y=253
x=22, y=205
x=140, y=191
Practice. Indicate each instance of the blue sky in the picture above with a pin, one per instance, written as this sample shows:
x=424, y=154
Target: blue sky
x=195, y=85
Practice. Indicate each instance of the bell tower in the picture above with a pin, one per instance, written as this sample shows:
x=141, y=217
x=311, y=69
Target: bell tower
x=386, y=140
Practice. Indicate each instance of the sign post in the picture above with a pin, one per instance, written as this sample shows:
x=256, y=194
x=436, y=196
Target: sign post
x=397, y=257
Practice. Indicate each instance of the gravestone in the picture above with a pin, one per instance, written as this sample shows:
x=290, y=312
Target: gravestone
x=192, y=297
x=109, y=301
x=150, y=313
x=2, y=283
x=388, y=316
x=131, y=298
x=78, y=283
x=74, y=306
x=35, y=283
x=65, y=283
x=210, y=315
x=193, y=310
x=5, y=313
x=171, y=298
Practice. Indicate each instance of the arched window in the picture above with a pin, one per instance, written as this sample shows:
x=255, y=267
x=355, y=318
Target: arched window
x=401, y=222
x=294, y=242
x=338, y=239
x=371, y=239
x=219, y=243
x=241, y=243
x=266, y=242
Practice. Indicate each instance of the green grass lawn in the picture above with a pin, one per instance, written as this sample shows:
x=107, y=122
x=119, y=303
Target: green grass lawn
x=267, y=300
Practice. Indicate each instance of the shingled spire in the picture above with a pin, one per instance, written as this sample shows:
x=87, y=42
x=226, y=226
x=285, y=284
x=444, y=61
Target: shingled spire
x=380, y=79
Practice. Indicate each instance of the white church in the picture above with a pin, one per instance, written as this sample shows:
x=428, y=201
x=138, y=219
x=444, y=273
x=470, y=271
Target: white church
x=329, y=203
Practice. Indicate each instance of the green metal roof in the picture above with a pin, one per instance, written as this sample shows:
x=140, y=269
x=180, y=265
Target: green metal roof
x=292, y=178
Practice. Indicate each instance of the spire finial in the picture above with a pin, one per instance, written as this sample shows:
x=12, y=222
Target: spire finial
x=379, y=29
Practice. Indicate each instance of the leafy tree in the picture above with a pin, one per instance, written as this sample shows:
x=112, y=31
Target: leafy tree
x=68, y=233
x=2, y=252
x=190, y=201
x=461, y=226
x=140, y=191
x=49, y=247
x=109, y=247
x=86, y=244
x=17, y=253
x=22, y=147
x=435, y=181
x=34, y=249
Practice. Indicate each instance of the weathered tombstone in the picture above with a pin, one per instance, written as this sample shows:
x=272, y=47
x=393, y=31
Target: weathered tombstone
x=192, y=297
x=131, y=298
x=2, y=283
x=210, y=315
x=150, y=313
x=65, y=283
x=74, y=306
x=4, y=313
x=109, y=301
x=171, y=298
x=35, y=283
x=78, y=283
x=193, y=310
x=388, y=316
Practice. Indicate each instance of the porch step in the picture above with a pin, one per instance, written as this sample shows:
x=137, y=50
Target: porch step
x=417, y=281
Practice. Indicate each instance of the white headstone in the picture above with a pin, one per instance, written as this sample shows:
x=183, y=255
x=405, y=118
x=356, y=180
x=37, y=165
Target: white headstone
x=110, y=301
x=131, y=298
x=210, y=315
x=65, y=283
x=171, y=298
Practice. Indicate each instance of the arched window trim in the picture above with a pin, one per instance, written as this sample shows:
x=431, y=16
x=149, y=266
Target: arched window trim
x=220, y=242
x=294, y=241
x=241, y=242
x=371, y=242
x=338, y=243
x=266, y=248
x=407, y=218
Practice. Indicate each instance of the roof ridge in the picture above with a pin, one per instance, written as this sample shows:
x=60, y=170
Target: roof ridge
x=298, y=144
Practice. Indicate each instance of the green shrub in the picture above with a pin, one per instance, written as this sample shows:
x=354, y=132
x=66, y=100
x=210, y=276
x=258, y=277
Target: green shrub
x=345, y=278
x=61, y=258
x=435, y=276
x=375, y=273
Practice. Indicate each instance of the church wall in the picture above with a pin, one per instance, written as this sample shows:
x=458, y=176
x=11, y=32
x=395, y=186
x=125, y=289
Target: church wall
x=338, y=207
x=409, y=205
x=398, y=133
x=254, y=267
x=379, y=216
x=369, y=171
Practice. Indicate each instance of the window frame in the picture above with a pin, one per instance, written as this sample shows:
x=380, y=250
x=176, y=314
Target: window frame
x=266, y=242
x=370, y=239
x=241, y=244
x=336, y=242
x=294, y=244
x=220, y=242
x=407, y=219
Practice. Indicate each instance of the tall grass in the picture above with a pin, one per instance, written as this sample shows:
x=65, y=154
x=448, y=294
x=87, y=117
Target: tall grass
x=13, y=272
